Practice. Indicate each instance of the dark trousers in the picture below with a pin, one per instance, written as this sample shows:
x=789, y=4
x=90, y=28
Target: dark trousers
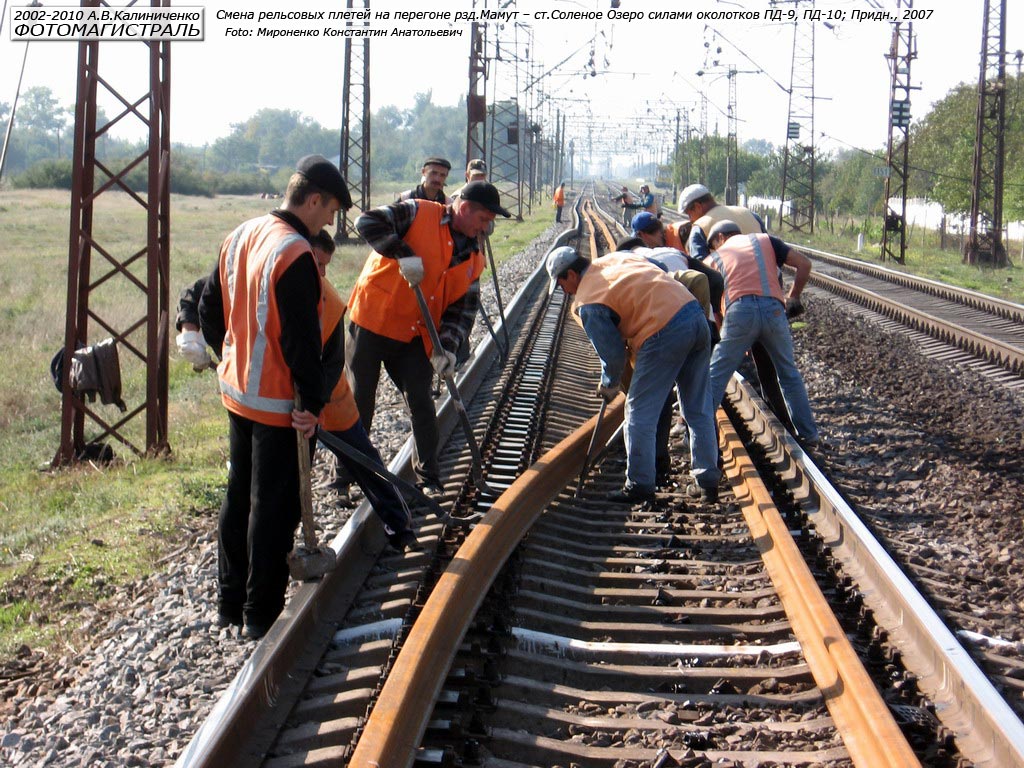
x=558, y=214
x=381, y=494
x=257, y=520
x=408, y=366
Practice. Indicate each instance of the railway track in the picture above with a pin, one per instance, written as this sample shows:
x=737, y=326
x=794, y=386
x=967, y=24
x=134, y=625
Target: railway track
x=662, y=636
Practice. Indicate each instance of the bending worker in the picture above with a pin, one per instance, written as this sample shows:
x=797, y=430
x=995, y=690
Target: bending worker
x=341, y=418
x=756, y=311
x=435, y=247
x=627, y=304
x=260, y=308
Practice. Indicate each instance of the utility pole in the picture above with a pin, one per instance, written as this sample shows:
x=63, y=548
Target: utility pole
x=136, y=261
x=798, y=157
x=902, y=51
x=732, y=152
x=985, y=241
x=476, y=99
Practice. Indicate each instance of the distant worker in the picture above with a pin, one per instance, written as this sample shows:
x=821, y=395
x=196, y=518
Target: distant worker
x=624, y=198
x=756, y=310
x=476, y=170
x=697, y=202
x=260, y=307
x=627, y=305
x=645, y=202
x=341, y=418
x=431, y=187
x=435, y=247
x=559, y=202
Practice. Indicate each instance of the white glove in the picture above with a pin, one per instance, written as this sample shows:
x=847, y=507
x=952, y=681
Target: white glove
x=192, y=347
x=443, y=362
x=411, y=268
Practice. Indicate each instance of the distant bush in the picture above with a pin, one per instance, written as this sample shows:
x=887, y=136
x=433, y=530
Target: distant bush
x=46, y=174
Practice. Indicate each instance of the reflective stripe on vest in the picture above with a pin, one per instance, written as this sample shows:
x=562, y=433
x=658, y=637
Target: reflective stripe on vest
x=744, y=265
x=241, y=397
x=382, y=301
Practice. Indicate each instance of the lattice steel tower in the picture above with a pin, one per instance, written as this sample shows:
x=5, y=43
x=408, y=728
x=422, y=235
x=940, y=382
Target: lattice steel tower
x=355, y=129
x=798, y=157
x=985, y=242
x=732, y=153
x=129, y=280
x=902, y=51
x=476, y=98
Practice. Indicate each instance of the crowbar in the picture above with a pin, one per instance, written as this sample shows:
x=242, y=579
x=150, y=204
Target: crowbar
x=590, y=448
x=338, y=446
x=467, y=428
x=497, y=298
x=309, y=561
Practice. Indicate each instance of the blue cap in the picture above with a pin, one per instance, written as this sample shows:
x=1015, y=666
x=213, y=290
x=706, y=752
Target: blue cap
x=643, y=221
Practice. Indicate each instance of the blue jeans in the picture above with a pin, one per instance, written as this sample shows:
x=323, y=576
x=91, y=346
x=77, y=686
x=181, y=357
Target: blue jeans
x=762, y=318
x=677, y=354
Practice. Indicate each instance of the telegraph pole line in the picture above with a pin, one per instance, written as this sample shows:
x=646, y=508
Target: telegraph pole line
x=902, y=52
x=798, y=157
x=985, y=242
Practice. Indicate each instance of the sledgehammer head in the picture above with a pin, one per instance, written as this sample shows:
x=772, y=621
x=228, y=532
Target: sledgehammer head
x=305, y=564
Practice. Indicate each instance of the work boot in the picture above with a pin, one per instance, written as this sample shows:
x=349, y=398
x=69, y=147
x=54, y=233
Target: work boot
x=632, y=494
x=253, y=631
x=405, y=541
x=432, y=489
x=341, y=490
x=707, y=495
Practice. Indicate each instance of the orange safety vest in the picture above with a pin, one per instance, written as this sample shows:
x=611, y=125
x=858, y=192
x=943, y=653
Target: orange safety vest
x=382, y=300
x=255, y=381
x=747, y=262
x=742, y=216
x=672, y=239
x=643, y=296
x=340, y=413
x=559, y=197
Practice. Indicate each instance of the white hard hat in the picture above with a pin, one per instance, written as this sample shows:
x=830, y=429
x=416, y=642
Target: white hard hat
x=559, y=259
x=690, y=194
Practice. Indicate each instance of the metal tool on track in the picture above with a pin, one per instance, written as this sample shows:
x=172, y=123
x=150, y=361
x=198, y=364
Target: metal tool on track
x=590, y=449
x=467, y=428
x=310, y=560
x=338, y=446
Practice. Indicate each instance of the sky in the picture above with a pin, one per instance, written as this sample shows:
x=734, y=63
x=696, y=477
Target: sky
x=644, y=70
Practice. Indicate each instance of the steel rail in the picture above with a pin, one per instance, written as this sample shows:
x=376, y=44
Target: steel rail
x=1001, y=307
x=402, y=711
x=266, y=681
x=862, y=718
x=984, y=725
x=993, y=350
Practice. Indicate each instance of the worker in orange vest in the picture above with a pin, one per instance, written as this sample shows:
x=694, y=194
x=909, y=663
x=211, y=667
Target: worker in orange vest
x=436, y=247
x=261, y=310
x=559, y=201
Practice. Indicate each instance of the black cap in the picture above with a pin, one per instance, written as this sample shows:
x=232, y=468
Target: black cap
x=485, y=194
x=324, y=174
x=437, y=161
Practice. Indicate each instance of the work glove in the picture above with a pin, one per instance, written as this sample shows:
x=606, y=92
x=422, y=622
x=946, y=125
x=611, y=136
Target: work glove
x=608, y=393
x=794, y=307
x=443, y=362
x=411, y=268
x=192, y=347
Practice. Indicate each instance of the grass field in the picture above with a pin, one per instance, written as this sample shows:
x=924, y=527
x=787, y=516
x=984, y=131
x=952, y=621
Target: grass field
x=68, y=536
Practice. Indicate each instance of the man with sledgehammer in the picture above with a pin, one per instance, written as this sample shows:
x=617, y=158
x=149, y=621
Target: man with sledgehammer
x=262, y=308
